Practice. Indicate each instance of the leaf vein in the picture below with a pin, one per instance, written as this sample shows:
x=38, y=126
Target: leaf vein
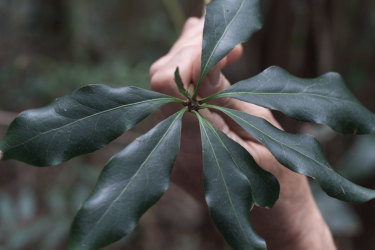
x=134, y=175
x=83, y=119
x=277, y=141
x=219, y=41
x=304, y=93
x=224, y=181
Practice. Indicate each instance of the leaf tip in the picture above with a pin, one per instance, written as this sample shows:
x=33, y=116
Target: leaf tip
x=180, y=84
x=177, y=77
x=177, y=71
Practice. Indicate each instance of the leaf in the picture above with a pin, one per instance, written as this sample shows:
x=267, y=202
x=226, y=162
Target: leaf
x=323, y=100
x=79, y=123
x=130, y=183
x=264, y=185
x=228, y=192
x=301, y=154
x=227, y=23
x=179, y=83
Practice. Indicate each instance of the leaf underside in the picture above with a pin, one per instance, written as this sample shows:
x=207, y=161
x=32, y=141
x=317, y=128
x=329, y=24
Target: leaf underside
x=227, y=23
x=228, y=191
x=301, y=154
x=130, y=183
x=79, y=123
x=324, y=100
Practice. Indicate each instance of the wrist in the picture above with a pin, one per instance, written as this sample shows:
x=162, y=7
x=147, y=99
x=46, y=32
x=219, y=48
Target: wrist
x=314, y=235
x=294, y=222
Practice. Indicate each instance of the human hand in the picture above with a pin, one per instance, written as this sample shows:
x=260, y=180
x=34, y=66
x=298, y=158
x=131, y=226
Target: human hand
x=294, y=222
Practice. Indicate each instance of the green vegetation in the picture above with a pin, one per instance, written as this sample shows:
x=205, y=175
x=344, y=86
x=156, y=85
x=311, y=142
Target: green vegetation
x=135, y=178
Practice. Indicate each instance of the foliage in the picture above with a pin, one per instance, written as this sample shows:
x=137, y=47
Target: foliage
x=135, y=178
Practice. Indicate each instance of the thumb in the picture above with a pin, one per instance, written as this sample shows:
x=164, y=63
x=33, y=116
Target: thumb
x=214, y=82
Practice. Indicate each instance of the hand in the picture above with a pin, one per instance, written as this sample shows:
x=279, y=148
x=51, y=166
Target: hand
x=294, y=222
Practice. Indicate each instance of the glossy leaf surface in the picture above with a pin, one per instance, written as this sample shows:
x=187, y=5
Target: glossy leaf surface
x=228, y=192
x=301, y=154
x=130, y=183
x=323, y=100
x=265, y=187
x=79, y=123
x=227, y=23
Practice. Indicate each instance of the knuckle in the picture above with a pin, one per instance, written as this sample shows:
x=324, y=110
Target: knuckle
x=157, y=79
x=161, y=78
x=191, y=21
x=153, y=69
x=157, y=65
x=191, y=50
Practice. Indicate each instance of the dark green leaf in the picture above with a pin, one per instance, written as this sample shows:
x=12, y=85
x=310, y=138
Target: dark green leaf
x=79, y=123
x=264, y=185
x=301, y=154
x=228, y=191
x=323, y=100
x=227, y=24
x=179, y=83
x=130, y=183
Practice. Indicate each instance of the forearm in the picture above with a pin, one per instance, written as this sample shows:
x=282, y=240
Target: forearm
x=292, y=225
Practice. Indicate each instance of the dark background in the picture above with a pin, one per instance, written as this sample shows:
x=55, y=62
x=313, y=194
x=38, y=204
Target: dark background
x=50, y=48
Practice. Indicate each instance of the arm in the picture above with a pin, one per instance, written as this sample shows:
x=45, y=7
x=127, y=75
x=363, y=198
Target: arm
x=295, y=221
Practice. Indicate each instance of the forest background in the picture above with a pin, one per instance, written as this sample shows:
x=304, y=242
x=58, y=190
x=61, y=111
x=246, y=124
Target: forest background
x=50, y=48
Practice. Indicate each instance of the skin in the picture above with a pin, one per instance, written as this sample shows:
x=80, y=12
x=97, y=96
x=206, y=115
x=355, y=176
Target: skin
x=295, y=221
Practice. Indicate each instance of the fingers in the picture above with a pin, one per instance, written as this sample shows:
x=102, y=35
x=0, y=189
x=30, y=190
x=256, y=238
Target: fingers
x=186, y=54
x=192, y=33
x=232, y=57
x=191, y=36
x=214, y=82
x=162, y=73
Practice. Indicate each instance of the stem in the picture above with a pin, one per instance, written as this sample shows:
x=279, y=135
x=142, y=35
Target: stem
x=208, y=106
x=211, y=97
x=192, y=105
x=177, y=99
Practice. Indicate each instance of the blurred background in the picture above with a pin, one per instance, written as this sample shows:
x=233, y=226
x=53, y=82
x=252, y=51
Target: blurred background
x=50, y=48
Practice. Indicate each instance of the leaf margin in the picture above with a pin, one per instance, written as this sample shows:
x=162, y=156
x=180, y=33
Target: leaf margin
x=366, y=193
x=252, y=240
x=15, y=145
x=79, y=243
